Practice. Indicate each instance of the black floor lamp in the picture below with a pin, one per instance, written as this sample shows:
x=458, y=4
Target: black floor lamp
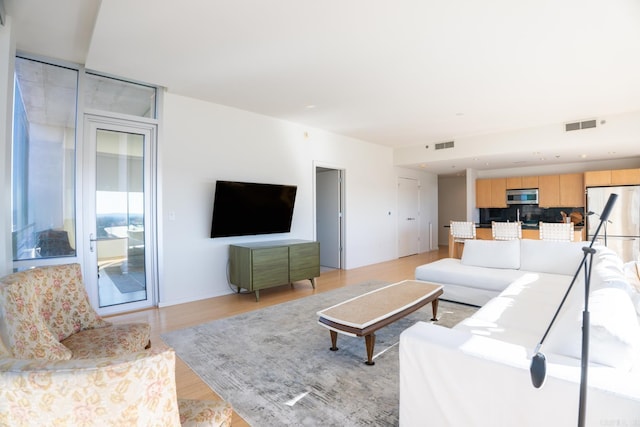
x=538, y=367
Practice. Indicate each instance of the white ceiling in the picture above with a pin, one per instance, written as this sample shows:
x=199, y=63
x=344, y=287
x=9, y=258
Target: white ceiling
x=399, y=73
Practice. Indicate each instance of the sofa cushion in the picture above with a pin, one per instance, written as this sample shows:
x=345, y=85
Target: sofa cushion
x=492, y=253
x=614, y=330
x=451, y=271
x=551, y=257
x=521, y=313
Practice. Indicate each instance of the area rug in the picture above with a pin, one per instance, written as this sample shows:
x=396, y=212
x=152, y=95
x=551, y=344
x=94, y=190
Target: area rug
x=275, y=367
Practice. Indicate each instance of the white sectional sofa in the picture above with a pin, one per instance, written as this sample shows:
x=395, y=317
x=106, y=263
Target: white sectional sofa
x=477, y=373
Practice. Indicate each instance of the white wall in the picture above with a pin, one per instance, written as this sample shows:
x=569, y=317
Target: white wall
x=7, y=61
x=201, y=142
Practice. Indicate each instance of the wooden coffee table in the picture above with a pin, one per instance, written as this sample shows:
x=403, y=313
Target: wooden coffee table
x=363, y=315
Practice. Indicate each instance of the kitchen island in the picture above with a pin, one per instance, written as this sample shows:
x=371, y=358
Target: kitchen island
x=483, y=232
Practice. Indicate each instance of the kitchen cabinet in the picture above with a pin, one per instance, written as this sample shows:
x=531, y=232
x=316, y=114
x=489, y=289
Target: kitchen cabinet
x=261, y=265
x=572, y=190
x=597, y=178
x=491, y=193
x=625, y=177
x=483, y=193
x=520, y=182
x=565, y=190
x=549, y=191
x=612, y=177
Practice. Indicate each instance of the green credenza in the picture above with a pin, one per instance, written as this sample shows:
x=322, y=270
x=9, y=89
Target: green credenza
x=260, y=265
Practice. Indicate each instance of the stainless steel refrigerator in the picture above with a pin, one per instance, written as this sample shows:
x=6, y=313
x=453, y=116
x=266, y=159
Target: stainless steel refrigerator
x=622, y=231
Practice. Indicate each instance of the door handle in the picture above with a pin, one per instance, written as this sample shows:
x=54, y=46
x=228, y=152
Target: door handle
x=411, y=219
x=91, y=240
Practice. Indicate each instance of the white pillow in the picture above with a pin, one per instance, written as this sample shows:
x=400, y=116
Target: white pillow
x=492, y=253
x=544, y=256
x=632, y=274
x=614, y=332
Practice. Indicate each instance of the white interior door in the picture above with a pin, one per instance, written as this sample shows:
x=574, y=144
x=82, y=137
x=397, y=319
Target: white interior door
x=408, y=216
x=118, y=214
x=329, y=216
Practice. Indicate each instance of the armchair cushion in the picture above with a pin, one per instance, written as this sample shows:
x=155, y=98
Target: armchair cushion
x=112, y=341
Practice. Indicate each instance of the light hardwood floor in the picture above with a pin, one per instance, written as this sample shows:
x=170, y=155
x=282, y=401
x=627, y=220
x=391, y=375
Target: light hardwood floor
x=166, y=319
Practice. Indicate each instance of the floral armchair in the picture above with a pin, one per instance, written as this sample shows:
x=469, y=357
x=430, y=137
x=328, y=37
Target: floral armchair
x=45, y=313
x=61, y=364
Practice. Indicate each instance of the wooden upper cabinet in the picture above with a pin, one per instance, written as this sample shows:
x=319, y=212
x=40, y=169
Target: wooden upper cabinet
x=519, y=182
x=491, y=193
x=572, y=190
x=625, y=177
x=514, y=183
x=549, y=191
x=483, y=193
x=499, y=193
x=597, y=178
x=612, y=177
x=529, y=182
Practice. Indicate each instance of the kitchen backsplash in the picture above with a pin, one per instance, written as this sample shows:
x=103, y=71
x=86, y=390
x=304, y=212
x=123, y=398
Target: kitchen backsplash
x=529, y=214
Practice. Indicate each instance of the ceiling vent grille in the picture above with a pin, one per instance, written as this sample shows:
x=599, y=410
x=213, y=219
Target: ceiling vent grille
x=580, y=125
x=443, y=145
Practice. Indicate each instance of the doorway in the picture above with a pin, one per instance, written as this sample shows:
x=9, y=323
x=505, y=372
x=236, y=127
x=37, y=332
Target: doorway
x=118, y=214
x=330, y=216
x=408, y=216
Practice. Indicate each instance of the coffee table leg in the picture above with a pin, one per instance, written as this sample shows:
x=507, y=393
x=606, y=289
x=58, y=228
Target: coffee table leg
x=434, y=309
x=334, y=340
x=370, y=341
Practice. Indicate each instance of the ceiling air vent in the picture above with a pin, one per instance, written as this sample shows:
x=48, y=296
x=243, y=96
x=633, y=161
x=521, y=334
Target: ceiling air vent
x=443, y=145
x=580, y=125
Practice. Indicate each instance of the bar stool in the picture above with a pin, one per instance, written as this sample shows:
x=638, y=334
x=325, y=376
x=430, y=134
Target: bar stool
x=506, y=230
x=556, y=231
x=460, y=231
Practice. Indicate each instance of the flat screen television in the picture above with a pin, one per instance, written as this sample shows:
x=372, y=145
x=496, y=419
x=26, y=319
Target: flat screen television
x=247, y=208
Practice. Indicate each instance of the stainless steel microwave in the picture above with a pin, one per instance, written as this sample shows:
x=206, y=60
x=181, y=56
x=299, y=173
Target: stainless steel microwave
x=522, y=197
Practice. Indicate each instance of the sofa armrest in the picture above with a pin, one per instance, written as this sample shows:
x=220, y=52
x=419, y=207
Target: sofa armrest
x=452, y=377
x=132, y=390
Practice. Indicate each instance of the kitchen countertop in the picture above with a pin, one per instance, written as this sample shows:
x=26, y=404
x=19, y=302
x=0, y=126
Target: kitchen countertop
x=527, y=226
x=524, y=226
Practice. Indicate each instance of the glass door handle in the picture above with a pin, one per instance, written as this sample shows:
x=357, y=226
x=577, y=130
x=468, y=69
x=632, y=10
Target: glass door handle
x=91, y=240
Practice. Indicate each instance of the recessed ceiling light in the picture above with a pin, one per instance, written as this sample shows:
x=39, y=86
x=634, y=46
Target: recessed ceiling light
x=584, y=156
x=310, y=107
x=612, y=152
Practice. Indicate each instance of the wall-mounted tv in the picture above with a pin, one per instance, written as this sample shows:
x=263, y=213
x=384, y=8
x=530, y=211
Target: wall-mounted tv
x=247, y=208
